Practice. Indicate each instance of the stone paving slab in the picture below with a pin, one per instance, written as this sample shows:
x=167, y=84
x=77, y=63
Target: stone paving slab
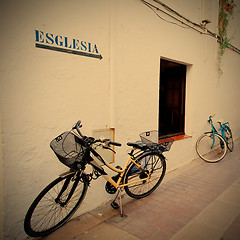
x=74, y=228
x=103, y=231
x=233, y=232
x=198, y=201
x=215, y=219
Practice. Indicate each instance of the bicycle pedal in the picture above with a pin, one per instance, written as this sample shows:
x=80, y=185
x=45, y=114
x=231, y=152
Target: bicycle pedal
x=114, y=205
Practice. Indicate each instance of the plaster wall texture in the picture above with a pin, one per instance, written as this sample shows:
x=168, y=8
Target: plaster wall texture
x=44, y=92
x=1, y=186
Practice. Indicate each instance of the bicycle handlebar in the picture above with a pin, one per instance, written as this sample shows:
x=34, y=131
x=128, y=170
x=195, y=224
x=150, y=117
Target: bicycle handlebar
x=210, y=118
x=116, y=144
x=78, y=125
x=107, y=142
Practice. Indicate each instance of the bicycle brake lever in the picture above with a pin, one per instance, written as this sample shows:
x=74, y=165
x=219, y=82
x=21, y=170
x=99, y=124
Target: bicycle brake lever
x=105, y=147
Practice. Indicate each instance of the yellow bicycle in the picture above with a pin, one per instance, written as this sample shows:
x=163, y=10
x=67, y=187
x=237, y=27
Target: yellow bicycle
x=143, y=172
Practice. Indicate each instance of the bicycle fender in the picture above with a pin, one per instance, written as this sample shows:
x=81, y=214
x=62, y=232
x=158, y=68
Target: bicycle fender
x=62, y=175
x=208, y=132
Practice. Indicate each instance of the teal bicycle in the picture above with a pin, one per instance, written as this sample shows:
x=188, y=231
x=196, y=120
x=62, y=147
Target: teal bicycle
x=212, y=146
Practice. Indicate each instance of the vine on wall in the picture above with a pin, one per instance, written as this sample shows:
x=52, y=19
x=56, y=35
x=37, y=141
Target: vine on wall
x=225, y=12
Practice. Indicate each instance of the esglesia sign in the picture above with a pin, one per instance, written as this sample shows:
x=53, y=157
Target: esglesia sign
x=67, y=45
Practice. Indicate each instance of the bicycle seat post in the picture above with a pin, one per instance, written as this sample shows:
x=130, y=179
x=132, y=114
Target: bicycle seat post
x=131, y=153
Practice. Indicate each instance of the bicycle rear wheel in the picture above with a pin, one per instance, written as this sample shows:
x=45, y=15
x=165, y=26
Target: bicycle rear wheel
x=55, y=205
x=229, y=138
x=211, y=147
x=154, y=165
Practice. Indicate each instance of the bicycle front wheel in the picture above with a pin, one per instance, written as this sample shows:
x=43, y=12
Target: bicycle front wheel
x=55, y=205
x=211, y=147
x=152, y=170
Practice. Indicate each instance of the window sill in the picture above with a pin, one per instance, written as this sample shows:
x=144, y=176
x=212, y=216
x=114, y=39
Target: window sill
x=180, y=137
x=175, y=138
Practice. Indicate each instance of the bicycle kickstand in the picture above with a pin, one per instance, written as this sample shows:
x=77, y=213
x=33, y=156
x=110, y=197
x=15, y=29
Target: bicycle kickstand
x=115, y=205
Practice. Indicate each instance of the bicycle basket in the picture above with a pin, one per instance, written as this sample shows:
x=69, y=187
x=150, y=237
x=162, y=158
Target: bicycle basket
x=152, y=138
x=69, y=148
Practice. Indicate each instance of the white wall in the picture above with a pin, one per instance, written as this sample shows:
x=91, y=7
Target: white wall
x=44, y=92
x=1, y=185
x=141, y=39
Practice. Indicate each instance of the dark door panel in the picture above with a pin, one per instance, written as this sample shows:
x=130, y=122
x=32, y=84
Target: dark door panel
x=172, y=98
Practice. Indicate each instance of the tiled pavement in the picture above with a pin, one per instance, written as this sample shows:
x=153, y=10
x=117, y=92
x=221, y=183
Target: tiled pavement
x=199, y=201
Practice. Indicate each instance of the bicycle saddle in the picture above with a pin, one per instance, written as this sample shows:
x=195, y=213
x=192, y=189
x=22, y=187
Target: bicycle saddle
x=138, y=145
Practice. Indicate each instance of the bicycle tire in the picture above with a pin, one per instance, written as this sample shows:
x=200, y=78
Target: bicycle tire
x=229, y=138
x=155, y=165
x=208, y=153
x=47, y=213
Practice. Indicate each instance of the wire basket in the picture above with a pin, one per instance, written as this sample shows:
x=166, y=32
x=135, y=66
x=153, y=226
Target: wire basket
x=69, y=148
x=151, y=138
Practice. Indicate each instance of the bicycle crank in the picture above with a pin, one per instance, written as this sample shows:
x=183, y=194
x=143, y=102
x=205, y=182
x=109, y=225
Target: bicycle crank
x=114, y=205
x=109, y=187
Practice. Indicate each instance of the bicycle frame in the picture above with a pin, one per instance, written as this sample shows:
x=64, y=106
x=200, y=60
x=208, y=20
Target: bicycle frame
x=121, y=172
x=214, y=131
x=222, y=130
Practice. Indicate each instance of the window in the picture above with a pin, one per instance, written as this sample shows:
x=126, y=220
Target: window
x=172, y=98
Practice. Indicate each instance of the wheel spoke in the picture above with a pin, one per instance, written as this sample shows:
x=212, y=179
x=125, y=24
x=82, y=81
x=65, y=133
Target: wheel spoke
x=211, y=148
x=154, y=166
x=46, y=214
